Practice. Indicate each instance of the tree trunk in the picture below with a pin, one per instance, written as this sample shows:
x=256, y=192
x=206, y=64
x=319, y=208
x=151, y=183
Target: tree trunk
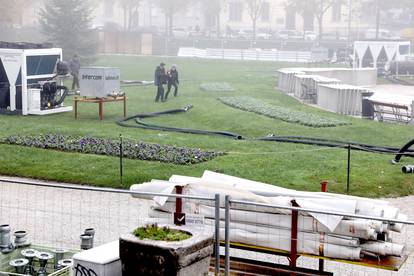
x=129, y=20
x=377, y=20
x=125, y=18
x=166, y=24
x=320, y=20
x=254, y=29
x=349, y=22
x=218, y=25
x=171, y=24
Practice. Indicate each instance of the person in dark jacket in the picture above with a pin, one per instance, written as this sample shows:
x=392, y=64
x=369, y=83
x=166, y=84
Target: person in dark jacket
x=160, y=78
x=172, y=81
x=74, y=67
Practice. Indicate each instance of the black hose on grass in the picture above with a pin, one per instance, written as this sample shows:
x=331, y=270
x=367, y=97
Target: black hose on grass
x=139, y=123
x=138, y=118
x=401, y=152
x=338, y=144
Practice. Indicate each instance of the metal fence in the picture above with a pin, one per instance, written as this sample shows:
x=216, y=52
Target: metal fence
x=311, y=264
x=54, y=215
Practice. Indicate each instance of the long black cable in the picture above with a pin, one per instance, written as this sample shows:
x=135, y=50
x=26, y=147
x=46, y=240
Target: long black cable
x=141, y=124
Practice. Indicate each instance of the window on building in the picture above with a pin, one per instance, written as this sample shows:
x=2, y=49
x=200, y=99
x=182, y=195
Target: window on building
x=337, y=11
x=235, y=11
x=265, y=12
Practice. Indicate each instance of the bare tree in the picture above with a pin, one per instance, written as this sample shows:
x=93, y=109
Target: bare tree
x=382, y=5
x=317, y=8
x=170, y=8
x=130, y=10
x=212, y=10
x=254, y=8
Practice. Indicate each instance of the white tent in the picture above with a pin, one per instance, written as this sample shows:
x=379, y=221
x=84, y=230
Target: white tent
x=394, y=51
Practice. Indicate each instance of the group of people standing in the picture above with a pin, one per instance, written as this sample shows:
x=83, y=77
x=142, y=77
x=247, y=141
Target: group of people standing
x=163, y=77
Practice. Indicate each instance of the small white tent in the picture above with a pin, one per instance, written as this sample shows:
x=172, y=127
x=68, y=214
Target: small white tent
x=388, y=51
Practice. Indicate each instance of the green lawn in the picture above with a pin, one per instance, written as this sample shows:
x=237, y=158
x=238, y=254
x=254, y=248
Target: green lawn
x=288, y=165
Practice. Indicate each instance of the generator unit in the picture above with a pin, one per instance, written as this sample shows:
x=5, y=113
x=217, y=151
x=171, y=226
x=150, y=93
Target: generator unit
x=27, y=80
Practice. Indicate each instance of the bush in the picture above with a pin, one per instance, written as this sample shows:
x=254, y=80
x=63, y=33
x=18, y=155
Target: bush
x=216, y=87
x=111, y=147
x=282, y=113
x=156, y=233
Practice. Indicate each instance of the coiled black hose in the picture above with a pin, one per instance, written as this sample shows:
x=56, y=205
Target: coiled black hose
x=141, y=124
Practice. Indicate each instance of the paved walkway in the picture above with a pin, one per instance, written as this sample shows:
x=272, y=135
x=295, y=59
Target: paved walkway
x=55, y=217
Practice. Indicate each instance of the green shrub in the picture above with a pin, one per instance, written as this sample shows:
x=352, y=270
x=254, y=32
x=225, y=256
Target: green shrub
x=156, y=233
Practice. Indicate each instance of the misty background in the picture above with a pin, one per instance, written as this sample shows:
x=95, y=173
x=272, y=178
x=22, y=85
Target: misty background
x=161, y=27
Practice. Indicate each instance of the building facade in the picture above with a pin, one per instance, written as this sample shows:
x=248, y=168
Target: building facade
x=274, y=15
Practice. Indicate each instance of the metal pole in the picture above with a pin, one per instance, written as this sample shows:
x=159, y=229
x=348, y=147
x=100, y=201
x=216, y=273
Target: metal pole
x=121, y=153
x=348, y=169
x=227, y=237
x=294, y=238
x=217, y=230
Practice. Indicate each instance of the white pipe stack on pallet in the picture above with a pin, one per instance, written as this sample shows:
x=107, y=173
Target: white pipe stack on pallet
x=338, y=237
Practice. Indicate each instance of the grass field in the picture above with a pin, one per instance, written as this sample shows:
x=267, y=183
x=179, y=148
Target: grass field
x=288, y=165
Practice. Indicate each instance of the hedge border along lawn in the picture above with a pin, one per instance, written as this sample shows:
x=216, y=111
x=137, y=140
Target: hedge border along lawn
x=111, y=147
x=278, y=112
x=216, y=87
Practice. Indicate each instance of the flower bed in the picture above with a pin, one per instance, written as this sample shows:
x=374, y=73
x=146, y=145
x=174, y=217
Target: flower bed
x=216, y=87
x=110, y=147
x=277, y=112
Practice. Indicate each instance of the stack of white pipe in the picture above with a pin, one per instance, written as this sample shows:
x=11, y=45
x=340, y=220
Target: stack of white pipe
x=341, y=98
x=333, y=236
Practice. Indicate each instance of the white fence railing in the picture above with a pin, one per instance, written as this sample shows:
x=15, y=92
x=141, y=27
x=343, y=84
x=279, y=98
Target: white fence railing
x=250, y=54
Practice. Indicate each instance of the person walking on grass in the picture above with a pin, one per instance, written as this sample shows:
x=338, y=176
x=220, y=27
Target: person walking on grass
x=160, y=78
x=172, y=81
x=74, y=67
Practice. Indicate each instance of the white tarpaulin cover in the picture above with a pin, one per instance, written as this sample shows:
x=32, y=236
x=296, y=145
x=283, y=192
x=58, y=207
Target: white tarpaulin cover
x=337, y=236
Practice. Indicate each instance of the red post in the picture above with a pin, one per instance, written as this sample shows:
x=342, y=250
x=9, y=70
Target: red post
x=324, y=186
x=324, y=189
x=179, y=216
x=178, y=200
x=294, y=238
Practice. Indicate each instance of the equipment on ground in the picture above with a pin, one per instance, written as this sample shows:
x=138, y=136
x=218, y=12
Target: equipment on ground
x=27, y=84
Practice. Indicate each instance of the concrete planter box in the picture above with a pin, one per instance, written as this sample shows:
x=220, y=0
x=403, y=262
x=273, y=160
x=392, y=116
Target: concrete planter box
x=190, y=257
